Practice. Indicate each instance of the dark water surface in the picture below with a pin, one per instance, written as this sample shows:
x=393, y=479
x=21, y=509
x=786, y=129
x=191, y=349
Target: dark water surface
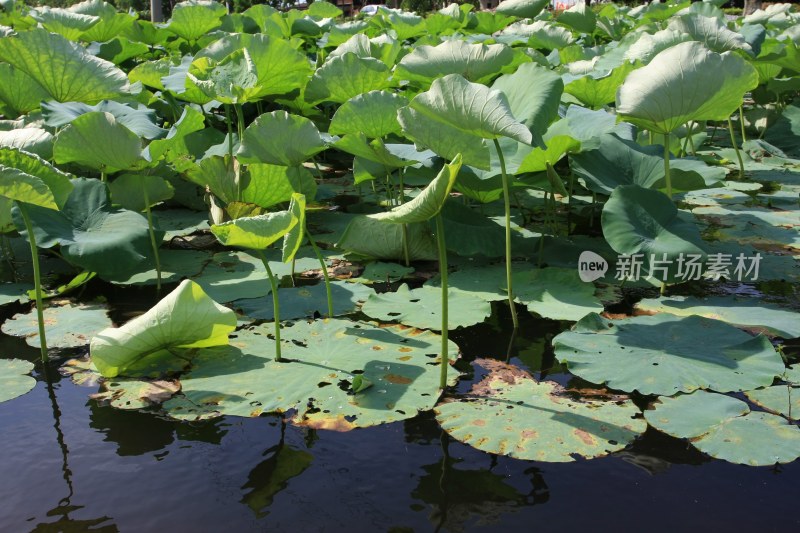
x=68, y=464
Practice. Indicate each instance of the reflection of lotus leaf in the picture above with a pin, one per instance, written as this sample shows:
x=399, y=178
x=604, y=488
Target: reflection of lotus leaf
x=14, y=380
x=509, y=413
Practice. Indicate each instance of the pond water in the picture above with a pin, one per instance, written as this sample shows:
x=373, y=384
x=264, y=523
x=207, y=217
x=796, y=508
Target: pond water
x=69, y=464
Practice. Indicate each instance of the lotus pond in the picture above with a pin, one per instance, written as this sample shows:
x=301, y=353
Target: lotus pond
x=462, y=271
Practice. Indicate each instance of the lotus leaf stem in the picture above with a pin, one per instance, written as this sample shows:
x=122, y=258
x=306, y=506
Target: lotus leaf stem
x=276, y=308
x=666, y=166
x=153, y=242
x=230, y=132
x=443, y=275
x=736, y=149
x=507, y=206
x=37, y=279
x=741, y=123
x=324, y=269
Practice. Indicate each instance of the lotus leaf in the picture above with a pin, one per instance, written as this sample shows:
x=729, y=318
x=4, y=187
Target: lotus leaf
x=32, y=140
x=663, y=354
x=61, y=321
x=19, y=91
x=383, y=240
x=374, y=114
x=509, y=413
x=57, y=20
x=255, y=233
x=343, y=77
x=648, y=46
x=475, y=62
x=781, y=399
x=175, y=266
x=14, y=380
x=556, y=293
x=521, y=8
x=579, y=17
x=321, y=357
x=96, y=140
x=725, y=428
x=307, y=301
x=380, y=272
x=135, y=393
x=195, y=18
x=14, y=292
x=596, y=89
x=137, y=192
x=30, y=179
x=711, y=31
x=278, y=138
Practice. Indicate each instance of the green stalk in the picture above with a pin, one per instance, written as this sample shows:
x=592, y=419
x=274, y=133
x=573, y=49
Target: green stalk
x=230, y=131
x=324, y=270
x=443, y=275
x=153, y=242
x=507, y=206
x=37, y=279
x=736, y=149
x=666, y=165
x=275, y=305
x=406, y=252
x=741, y=123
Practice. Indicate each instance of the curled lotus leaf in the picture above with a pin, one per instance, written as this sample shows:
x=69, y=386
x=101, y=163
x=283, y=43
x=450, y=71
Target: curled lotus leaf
x=510, y=413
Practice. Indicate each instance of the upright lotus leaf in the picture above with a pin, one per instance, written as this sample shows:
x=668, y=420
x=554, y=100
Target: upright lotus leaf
x=510, y=413
x=405, y=25
x=216, y=175
x=32, y=140
x=111, y=24
x=138, y=192
x=711, y=31
x=268, y=185
x=323, y=10
x=61, y=320
x=18, y=91
x=725, y=428
x=541, y=35
x=521, y=8
x=295, y=236
x=663, y=354
x=140, y=120
x=683, y=83
x=14, y=378
x=57, y=20
x=374, y=114
x=63, y=68
x=177, y=141
x=279, y=138
x=346, y=76
x=28, y=178
x=374, y=151
x=579, y=17
x=597, y=89
x=97, y=141
x=556, y=147
x=195, y=18
x=234, y=80
x=783, y=399
x=323, y=359
x=643, y=221
x=648, y=46
x=90, y=232
x=179, y=84
x=455, y=116
x=185, y=318
x=475, y=62
x=255, y=233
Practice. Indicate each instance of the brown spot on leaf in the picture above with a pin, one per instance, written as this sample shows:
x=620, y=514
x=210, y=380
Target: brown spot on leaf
x=479, y=422
x=337, y=423
x=529, y=434
x=404, y=358
x=397, y=379
x=585, y=437
x=405, y=349
x=376, y=347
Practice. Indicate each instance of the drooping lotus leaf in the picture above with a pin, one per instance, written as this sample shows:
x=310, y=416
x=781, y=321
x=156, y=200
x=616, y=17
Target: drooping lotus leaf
x=279, y=138
x=597, y=89
x=521, y=8
x=185, y=318
x=685, y=82
x=509, y=413
x=14, y=378
x=296, y=235
x=781, y=399
x=61, y=323
x=579, y=17
x=455, y=116
x=96, y=140
x=57, y=20
x=663, y=354
x=343, y=77
x=90, y=231
x=18, y=91
x=321, y=360
x=307, y=301
x=62, y=68
x=711, y=31
x=643, y=221
x=725, y=428
x=28, y=178
x=556, y=293
x=137, y=192
x=422, y=308
x=194, y=18
x=476, y=62
x=374, y=114
x=743, y=312
x=383, y=240
x=32, y=140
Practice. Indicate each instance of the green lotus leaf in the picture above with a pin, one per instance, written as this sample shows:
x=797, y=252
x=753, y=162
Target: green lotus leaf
x=61, y=321
x=384, y=240
x=343, y=77
x=295, y=236
x=268, y=185
x=323, y=10
x=648, y=46
x=14, y=378
x=195, y=18
x=244, y=380
x=185, y=318
x=743, y=312
x=596, y=90
x=233, y=80
x=422, y=308
x=475, y=62
x=14, y=292
x=178, y=141
x=57, y=20
x=542, y=35
x=30, y=179
x=279, y=138
x=140, y=120
x=406, y=25
x=149, y=73
x=785, y=133
x=712, y=86
x=131, y=394
x=711, y=31
x=521, y=8
x=379, y=272
x=144, y=31
x=725, y=428
x=643, y=221
x=62, y=68
x=31, y=140
x=579, y=17
x=374, y=114
x=255, y=233
x=90, y=231
x=374, y=151
x=96, y=140
x=307, y=301
x=118, y=50
x=455, y=116
x=428, y=203
x=555, y=149
x=488, y=23
x=663, y=354
x=137, y=192
x=18, y=91
x=111, y=24
x=781, y=399
x=556, y=293
x=176, y=265
x=216, y=175
x=510, y=413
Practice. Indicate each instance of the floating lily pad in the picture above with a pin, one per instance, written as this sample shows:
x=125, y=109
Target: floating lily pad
x=421, y=308
x=175, y=265
x=321, y=360
x=14, y=292
x=136, y=393
x=744, y=312
x=509, y=413
x=556, y=293
x=380, y=272
x=308, y=301
x=14, y=378
x=664, y=354
x=68, y=325
x=781, y=399
x=725, y=428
